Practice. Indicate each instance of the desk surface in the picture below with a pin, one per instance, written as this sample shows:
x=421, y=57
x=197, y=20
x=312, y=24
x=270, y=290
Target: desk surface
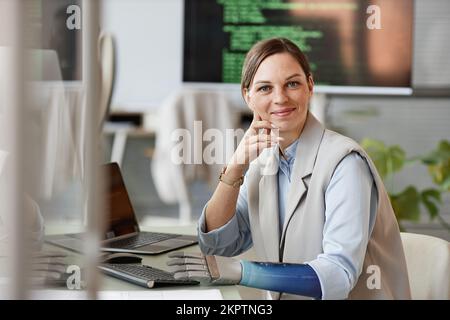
x=159, y=261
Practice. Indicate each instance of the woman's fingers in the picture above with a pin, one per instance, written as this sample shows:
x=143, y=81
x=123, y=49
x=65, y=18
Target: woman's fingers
x=262, y=134
x=251, y=146
x=263, y=124
x=261, y=138
x=256, y=116
x=256, y=144
x=259, y=123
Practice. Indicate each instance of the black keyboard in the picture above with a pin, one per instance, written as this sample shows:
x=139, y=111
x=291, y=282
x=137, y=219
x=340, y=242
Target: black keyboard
x=141, y=239
x=142, y=275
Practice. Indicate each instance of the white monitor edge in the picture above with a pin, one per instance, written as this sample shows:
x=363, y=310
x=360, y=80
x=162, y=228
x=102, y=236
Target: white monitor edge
x=357, y=90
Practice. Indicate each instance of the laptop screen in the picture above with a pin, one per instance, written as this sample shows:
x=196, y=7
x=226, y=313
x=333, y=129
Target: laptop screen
x=120, y=219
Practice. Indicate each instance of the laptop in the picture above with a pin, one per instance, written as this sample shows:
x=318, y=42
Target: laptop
x=123, y=233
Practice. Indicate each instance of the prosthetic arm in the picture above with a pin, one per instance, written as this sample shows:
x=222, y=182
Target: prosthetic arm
x=298, y=279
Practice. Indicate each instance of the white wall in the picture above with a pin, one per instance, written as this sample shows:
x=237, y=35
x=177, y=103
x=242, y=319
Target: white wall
x=431, y=45
x=149, y=42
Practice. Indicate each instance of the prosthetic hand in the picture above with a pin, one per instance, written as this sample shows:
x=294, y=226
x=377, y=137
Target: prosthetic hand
x=205, y=269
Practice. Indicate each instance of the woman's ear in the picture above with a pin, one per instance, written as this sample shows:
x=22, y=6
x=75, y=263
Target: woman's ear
x=310, y=85
x=246, y=94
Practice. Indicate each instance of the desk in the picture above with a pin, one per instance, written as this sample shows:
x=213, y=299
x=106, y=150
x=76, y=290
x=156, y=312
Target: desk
x=158, y=261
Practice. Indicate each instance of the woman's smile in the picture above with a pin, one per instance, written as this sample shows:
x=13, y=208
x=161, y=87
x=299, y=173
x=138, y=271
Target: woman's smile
x=282, y=112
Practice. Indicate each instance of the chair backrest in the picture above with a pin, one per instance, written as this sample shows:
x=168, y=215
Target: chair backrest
x=428, y=263
x=196, y=111
x=107, y=58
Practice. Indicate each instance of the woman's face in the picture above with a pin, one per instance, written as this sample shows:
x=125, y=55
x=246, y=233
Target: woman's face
x=280, y=92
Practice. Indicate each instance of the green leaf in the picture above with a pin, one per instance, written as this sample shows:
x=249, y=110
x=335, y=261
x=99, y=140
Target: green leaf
x=446, y=184
x=431, y=198
x=438, y=162
x=372, y=144
x=406, y=204
x=387, y=159
x=378, y=153
x=440, y=173
x=397, y=156
x=441, y=154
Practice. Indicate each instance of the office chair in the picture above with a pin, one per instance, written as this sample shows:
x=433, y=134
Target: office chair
x=51, y=130
x=181, y=111
x=428, y=263
x=107, y=58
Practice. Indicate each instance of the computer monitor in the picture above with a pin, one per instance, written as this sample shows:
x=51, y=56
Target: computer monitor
x=353, y=46
x=48, y=29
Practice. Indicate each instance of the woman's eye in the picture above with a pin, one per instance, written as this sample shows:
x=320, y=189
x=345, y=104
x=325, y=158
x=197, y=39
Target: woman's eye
x=264, y=88
x=293, y=84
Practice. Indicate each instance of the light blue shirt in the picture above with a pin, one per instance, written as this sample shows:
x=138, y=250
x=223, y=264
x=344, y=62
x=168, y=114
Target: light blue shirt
x=350, y=217
x=285, y=167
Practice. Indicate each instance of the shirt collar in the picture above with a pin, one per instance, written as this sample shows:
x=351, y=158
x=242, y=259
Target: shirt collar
x=290, y=152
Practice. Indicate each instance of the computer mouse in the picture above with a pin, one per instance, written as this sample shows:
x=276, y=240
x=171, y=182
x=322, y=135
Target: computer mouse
x=121, y=257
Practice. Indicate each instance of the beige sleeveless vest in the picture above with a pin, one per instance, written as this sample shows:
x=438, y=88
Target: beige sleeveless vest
x=318, y=153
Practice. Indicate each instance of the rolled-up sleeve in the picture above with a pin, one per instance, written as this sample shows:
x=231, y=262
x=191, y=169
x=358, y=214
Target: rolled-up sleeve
x=231, y=239
x=349, y=220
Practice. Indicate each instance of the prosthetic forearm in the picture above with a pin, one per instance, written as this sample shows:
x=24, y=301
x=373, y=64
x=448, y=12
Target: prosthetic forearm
x=298, y=279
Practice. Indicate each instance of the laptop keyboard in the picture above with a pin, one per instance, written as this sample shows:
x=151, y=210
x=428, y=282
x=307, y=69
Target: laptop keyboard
x=141, y=239
x=142, y=274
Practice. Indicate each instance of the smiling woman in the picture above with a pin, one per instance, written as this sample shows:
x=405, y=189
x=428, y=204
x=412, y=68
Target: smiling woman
x=319, y=218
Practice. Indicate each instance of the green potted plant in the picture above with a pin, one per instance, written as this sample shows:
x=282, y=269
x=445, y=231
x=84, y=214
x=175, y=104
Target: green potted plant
x=409, y=202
